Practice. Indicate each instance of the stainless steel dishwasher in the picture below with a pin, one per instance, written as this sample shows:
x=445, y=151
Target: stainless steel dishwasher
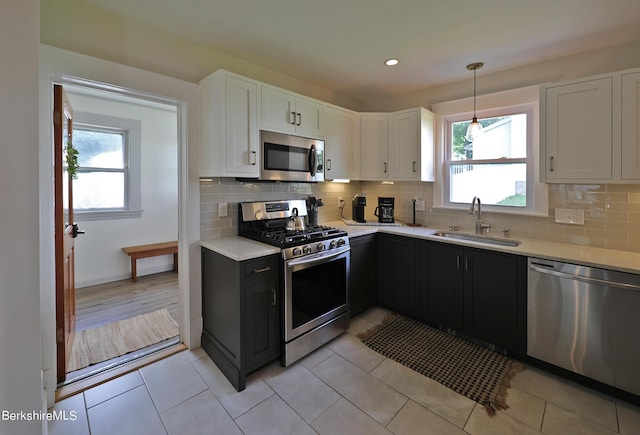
x=586, y=320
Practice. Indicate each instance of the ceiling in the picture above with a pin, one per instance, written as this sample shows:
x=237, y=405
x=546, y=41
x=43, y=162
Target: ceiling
x=341, y=45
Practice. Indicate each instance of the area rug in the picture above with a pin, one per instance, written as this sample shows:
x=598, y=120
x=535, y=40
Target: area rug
x=469, y=369
x=94, y=345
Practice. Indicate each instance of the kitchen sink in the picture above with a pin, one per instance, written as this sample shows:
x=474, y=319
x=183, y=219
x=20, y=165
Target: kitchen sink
x=478, y=238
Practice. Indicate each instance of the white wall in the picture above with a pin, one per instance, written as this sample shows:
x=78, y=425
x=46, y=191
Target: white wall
x=99, y=257
x=58, y=64
x=20, y=363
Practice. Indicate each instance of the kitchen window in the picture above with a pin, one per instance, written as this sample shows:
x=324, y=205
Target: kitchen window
x=500, y=166
x=108, y=176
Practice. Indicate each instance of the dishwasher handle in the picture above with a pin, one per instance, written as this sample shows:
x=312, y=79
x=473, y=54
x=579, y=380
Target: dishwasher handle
x=548, y=269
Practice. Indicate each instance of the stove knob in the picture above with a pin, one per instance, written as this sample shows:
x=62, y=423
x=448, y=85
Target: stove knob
x=297, y=251
x=333, y=244
x=306, y=249
x=320, y=247
x=341, y=242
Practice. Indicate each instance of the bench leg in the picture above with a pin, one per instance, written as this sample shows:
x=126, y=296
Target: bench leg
x=134, y=272
x=175, y=262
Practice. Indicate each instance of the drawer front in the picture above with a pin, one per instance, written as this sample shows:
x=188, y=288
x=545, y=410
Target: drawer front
x=261, y=268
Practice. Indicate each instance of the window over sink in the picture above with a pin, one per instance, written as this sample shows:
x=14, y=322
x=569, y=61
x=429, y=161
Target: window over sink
x=501, y=165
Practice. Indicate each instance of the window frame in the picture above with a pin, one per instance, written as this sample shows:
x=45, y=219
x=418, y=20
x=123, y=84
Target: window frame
x=132, y=164
x=524, y=100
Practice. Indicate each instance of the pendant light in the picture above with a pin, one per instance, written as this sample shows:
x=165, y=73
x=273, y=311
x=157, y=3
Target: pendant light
x=474, y=129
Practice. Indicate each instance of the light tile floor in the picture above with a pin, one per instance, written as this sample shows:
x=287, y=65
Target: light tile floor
x=343, y=387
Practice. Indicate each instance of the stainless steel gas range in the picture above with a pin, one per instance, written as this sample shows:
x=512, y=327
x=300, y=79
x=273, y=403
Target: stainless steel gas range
x=315, y=273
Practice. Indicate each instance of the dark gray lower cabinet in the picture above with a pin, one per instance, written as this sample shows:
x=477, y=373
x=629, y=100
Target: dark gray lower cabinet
x=363, y=273
x=493, y=284
x=398, y=286
x=477, y=292
x=240, y=311
x=442, y=285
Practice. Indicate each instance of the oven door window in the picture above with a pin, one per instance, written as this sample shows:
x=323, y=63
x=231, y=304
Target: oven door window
x=285, y=158
x=318, y=290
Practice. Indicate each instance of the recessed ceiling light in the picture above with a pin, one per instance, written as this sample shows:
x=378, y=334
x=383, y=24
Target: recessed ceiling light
x=391, y=62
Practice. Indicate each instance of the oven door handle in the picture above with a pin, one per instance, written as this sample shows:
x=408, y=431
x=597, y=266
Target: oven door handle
x=317, y=258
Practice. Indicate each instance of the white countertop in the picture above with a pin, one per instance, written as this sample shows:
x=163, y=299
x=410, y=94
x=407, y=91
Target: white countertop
x=239, y=248
x=606, y=258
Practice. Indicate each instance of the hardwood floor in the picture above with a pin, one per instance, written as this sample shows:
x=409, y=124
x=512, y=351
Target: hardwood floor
x=106, y=303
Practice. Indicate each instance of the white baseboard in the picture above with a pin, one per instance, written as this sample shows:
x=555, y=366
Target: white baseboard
x=141, y=272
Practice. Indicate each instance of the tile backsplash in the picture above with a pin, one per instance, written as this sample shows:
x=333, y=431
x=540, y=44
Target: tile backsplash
x=611, y=212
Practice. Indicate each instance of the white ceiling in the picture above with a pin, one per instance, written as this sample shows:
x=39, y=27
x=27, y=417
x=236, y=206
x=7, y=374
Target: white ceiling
x=342, y=44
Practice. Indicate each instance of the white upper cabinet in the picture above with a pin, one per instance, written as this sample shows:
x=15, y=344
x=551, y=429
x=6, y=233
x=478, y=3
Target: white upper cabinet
x=397, y=146
x=341, y=147
x=631, y=126
x=578, y=134
x=375, y=156
x=590, y=129
x=358, y=146
x=229, y=122
x=413, y=145
x=285, y=112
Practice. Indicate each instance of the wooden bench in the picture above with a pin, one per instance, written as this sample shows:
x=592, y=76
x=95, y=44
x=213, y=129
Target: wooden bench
x=151, y=250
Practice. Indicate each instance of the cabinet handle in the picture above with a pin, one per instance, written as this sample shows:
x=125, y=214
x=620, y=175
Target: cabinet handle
x=457, y=262
x=328, y=164
x=385, y=167
x=274, y=301
x=551, y=164
x=299, y=118
x=414, y=166
x=292, y=118
x=466, y=264
x=264, y=269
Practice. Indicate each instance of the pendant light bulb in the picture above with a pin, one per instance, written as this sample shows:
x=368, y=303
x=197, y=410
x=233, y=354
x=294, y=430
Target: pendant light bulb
x=475, y=128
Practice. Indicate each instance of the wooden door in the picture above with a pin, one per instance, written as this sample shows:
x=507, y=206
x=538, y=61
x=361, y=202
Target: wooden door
x=64, y=232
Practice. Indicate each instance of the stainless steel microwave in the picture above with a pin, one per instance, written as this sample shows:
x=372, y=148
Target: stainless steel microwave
x=291, y=158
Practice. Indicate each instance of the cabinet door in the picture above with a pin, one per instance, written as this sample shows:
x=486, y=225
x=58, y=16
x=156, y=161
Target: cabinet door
x=363, y=280
x=241, y=126
x=578, y=130
x=631, y=126
x=442, y=284
x=261, y=323
x=374, y=144
x=309, y=118
x=398, y=267
x=490, y=297
x=278, y=110
x=340, y=144
x=406, y=145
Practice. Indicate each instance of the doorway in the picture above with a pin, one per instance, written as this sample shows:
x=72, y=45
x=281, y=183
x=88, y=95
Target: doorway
x=126, y=194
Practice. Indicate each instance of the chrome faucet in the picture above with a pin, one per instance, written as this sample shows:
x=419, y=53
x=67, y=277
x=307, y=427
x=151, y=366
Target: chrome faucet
x=480, y=227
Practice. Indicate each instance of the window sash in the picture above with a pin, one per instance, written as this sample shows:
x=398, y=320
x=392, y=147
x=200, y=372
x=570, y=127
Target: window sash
x=131, y=131
x=448, y=161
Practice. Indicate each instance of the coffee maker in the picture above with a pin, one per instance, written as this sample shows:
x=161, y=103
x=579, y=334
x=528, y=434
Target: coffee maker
x=384, y=210
x=358, y=203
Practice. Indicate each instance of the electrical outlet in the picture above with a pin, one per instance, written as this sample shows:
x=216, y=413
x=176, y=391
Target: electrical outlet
x=340, y=200
x=421, y=205
x=569, y=216
x=222, y=209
